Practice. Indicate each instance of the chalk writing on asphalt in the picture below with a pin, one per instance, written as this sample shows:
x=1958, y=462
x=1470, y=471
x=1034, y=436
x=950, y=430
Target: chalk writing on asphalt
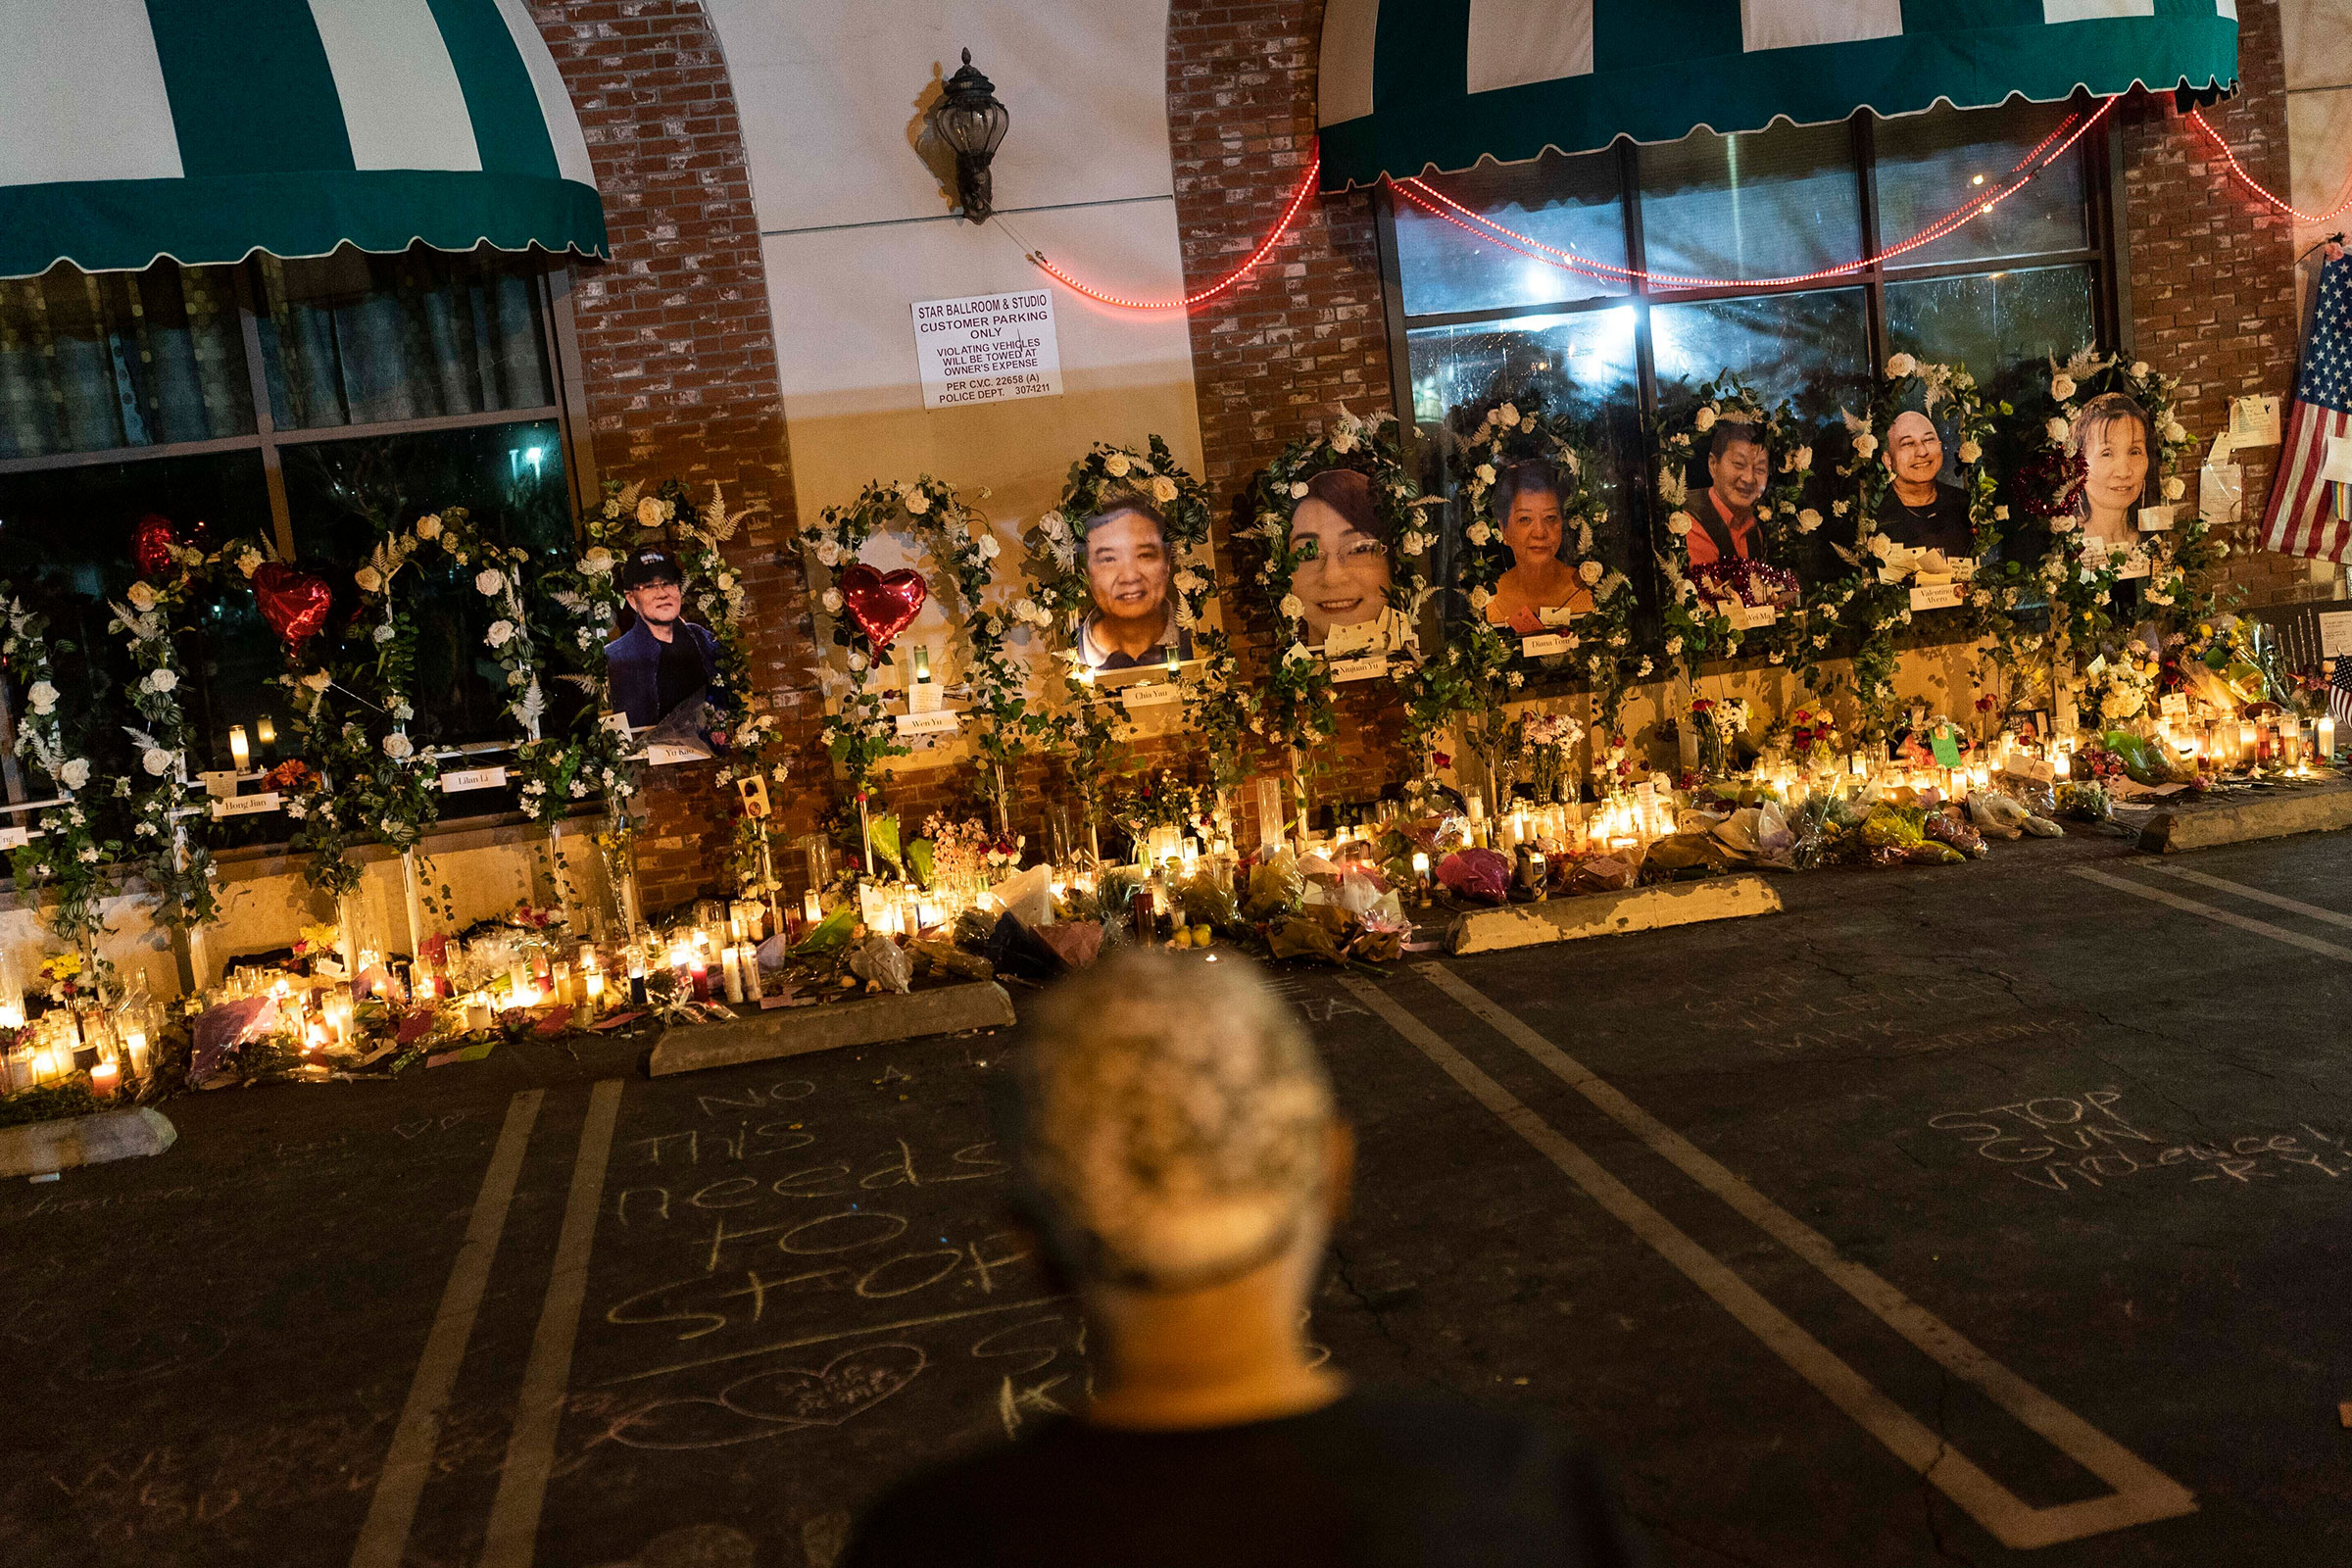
x=2084, y=1142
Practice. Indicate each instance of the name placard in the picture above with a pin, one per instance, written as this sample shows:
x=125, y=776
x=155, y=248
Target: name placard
x=246, y=804
x=14, y=838
x=1543, y=643
x=1937, y=596
x=1345, y=669
x=941, y=723
x=1159, y=694
x=472, y=778
x=1754, y=617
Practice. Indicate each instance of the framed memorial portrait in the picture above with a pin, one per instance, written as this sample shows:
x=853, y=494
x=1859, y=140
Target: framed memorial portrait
x=1344, y=530
x=1125, y=575
x=1731, y=477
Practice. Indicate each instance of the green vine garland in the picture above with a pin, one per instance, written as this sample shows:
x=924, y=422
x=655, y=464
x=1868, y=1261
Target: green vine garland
x=65, y=855
x=172, y=837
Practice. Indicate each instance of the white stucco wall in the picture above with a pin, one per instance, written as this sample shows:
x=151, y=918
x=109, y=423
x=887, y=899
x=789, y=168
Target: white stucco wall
x=857, y=229
x=2318, y=40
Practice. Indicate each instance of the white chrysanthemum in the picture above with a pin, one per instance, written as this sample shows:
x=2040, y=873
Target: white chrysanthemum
x=383, y=633
x=1674, y=646
x=1841, y=508
x=1480, y=534
x=370, y=581
x=249, y=562
x=1486, y=473
x=399, y=747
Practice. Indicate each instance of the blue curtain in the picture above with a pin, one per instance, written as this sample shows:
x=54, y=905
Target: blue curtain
x=91, y=361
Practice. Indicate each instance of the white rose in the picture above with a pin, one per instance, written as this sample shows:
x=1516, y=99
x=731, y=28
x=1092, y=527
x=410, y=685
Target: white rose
x=383, y=633
x=2066, y=522
x=1479, y=599
x=1706, y=418
x=1970, y=452
x=370, y=581
x=1765, y=513
x=429, y=526
x=318, y=680
x=1590, y=571
x=2175, y=432
x=857, y=661
x=828, y=553
x=1343, y=442
x=597, y=562
x=1807, y=520
x=1804, y=457
x=156, y=760
x=2139, y=369
x=1115, y=465
x=75, y=773
x=2001, y=513
x=1507, y=416
x=399, y=747
x=1480, y=534
x=1163, y=490
x=649, y=512
x=990, y=550
x=917, y=502
x=249, y=562
x=2062, y=387
x=1291, y=608
x=832, y=601
x=141, y=597
x=161, y=680
x=1056, y=526
x=1900, y=366
x=1486, y=473
x=43, y=697
x=1298, y=491
x=1680, y=523
x=2174, y=488
x=1674, y=646
x=2058, y=430
x=1865, y=444
x=501, y=633
x=489, y=582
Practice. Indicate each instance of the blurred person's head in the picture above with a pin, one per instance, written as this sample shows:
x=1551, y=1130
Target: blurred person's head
x=1177, y=1150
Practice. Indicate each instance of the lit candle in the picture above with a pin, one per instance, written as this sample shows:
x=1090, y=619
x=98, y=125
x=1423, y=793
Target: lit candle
x=314, y=1037
x=1174, y=663
x=1086, y=676
x=596, y=985
x=922, y=669
x=813, y=907
x=697, y=971
x=134, y=1043
x=2062, y=764
x=753, y=990
x=1421, y=867
x=239, y=754
x=478, y=1011
x=265, y=730
x=105, y=1078
x=730, y=961
x=637, y=991
x=2327, y=737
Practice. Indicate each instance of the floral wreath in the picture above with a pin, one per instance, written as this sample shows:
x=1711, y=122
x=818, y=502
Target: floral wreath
x=1085, y=725
x=860, y=734
x=65, y=854
x=1295, y=703
x=1697, y=613
x=179, y=869
x=1866, y=603
x=2082, y=589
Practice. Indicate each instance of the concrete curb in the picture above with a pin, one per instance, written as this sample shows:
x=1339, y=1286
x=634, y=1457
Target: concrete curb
x=43, y=1147
x=2323, y=809
x=798, y=1031
x=1607, y=914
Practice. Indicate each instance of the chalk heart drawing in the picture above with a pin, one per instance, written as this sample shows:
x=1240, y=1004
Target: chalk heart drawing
x=768, y=1403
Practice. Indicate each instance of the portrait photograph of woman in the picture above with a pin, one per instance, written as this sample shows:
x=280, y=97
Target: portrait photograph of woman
x=1539, y=589
x=1130, y=568
x=1344, y=570
x=2110, y=443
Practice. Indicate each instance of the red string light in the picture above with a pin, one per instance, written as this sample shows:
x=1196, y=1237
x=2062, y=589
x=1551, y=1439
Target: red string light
x=2029, y=169
x=2197, y=117
x=1290, y=214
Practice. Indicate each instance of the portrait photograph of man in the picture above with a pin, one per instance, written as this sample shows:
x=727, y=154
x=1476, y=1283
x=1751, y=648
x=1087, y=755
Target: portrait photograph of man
x=1130, y=572
x=1739, y=468
x=1921, y=510
x=663, y=662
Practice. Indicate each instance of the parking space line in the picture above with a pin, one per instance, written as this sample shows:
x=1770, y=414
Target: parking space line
x=547, y=1375
x=2223, y=885
x=2260, y=928
x=384, y=1538
x=2141, y=1494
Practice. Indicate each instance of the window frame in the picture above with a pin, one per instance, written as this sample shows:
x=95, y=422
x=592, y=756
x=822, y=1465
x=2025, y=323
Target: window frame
x=554, y=280
x=2107, y=255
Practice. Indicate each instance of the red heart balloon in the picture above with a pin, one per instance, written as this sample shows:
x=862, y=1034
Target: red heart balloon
x=151, y=540
x=883, y=603
x=293, y=603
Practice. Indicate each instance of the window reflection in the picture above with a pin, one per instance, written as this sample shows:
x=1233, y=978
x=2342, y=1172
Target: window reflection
x=1763, y=204
x=1812, y=349
x=1575, y=204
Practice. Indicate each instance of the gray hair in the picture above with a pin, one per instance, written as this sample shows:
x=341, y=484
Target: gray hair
x=1169, y=1122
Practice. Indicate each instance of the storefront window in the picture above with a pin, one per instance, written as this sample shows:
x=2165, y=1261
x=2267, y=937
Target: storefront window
x=93, y=362
x=1706, y=223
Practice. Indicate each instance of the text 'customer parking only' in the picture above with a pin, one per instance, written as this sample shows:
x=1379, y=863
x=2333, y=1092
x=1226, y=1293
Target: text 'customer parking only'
x=987, y=348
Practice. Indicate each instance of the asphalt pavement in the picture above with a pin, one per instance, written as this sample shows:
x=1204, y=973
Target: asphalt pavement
x=1994, y=1214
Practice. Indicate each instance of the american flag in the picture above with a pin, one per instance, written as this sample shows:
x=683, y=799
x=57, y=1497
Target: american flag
x=2339, y=692
x=2303, y=520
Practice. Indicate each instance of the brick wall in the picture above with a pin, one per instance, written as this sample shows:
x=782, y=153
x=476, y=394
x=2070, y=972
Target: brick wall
x=1306, y=333
x=677, y=354
x=2213, y=291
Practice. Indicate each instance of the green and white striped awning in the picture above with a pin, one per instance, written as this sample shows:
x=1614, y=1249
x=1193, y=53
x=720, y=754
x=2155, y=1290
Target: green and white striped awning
x=202, y=130
x=1408, y=86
